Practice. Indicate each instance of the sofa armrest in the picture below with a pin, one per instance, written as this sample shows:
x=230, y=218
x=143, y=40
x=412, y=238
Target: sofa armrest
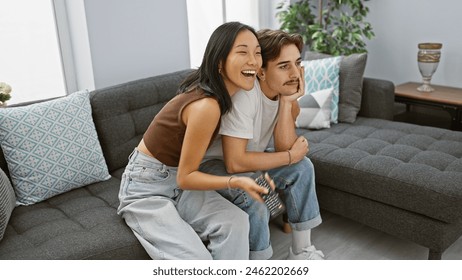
x=377, y=99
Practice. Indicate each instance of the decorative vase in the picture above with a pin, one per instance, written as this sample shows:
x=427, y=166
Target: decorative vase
x=428, y=58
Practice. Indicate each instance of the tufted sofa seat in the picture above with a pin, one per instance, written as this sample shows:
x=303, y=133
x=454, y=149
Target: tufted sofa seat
x=416, y=168
x=79, y=224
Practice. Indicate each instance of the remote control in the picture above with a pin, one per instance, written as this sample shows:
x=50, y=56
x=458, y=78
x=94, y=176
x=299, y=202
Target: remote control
x=272, y=200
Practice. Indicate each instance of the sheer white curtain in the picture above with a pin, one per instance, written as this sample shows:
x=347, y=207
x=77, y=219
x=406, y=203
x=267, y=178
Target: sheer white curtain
x=30, y=59
x=203, y=17
x=206, y=15
x=39, y=44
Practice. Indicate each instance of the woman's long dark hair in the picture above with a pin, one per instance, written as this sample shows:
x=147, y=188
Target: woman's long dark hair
x=207, y=76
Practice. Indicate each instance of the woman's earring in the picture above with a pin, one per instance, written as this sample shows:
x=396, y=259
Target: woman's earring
x=219, y=71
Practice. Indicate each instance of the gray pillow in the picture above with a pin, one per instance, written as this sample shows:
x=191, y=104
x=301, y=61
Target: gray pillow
x=315, y=109
x=7, y=202
x=351, y=83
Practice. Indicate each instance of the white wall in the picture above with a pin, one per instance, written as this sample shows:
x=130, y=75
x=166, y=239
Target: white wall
x=133, y=39
x=140, y=38
x=268, y=13
x=400, y=25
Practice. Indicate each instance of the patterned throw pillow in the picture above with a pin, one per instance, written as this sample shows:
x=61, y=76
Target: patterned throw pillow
x=315, y=109
x=7, y=202
x=51, y=147
x=351, y=83
x=323, y=74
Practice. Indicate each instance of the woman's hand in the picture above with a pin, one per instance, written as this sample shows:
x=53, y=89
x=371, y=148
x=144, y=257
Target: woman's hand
x=248, y=185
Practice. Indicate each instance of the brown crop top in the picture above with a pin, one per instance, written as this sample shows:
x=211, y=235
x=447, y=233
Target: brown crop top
x=164, y=136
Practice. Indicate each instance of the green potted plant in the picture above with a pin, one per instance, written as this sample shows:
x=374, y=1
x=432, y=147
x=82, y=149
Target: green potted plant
x=5, y=90
x=335, y=27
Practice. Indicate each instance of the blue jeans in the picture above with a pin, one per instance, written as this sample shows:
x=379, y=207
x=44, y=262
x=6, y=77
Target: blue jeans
x=173, y=224
x=298, y=184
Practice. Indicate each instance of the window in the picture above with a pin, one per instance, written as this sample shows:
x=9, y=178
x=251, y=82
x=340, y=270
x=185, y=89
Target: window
x=204, y=16
x=30, y=60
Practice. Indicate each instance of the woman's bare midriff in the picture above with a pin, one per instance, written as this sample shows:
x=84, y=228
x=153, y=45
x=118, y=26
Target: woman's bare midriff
x=142, y=148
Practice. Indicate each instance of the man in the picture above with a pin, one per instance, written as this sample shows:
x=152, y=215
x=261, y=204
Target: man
x=270, y=110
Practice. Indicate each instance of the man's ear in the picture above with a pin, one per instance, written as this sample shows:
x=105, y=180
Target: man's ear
x=261, y=74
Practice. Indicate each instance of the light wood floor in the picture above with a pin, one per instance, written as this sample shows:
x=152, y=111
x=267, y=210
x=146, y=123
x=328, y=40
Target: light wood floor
x=343, y=239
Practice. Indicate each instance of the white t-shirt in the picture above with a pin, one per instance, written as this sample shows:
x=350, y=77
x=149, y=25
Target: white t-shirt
x=253, y=116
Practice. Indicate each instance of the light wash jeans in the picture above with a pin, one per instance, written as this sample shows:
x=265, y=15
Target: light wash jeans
x=173, y=224
x=297, y=182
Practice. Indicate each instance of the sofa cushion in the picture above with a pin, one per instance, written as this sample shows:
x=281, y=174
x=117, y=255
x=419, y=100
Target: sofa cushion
x=84, y=220
x=351, y=81
x=7, y=202
x=315, y=109
x=51, y=147
x=323, y=74
x=412, y=167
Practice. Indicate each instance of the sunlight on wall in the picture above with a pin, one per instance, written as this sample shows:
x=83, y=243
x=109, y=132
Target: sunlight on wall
x=245, y=11
x=203, y=17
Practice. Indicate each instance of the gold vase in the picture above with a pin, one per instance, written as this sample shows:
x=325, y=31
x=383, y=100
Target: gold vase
x=428, y=58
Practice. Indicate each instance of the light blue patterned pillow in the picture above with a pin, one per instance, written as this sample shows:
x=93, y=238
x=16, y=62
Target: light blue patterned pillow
x=51, y=147
x=322, y=74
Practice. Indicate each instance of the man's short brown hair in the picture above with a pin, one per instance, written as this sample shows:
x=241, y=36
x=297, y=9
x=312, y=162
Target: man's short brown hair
x=272, y=41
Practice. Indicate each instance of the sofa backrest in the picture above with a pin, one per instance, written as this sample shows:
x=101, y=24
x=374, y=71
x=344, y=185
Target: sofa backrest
x=378, y=99
x=122, y=113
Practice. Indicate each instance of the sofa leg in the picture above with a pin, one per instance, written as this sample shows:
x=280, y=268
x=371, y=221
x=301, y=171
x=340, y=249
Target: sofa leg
x=285, y=218
x=434, y=255
x=286, y=226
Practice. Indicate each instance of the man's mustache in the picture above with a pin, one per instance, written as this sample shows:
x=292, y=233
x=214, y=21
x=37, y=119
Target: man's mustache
x=291, y=82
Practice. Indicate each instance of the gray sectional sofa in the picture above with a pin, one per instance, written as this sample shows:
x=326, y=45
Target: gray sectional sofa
x=399, y=178
x=402, y=179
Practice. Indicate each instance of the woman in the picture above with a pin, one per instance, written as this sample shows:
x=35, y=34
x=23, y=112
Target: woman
x=171, y=206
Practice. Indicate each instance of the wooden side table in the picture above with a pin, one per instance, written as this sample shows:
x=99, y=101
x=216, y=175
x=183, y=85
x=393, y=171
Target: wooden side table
x=446, y=98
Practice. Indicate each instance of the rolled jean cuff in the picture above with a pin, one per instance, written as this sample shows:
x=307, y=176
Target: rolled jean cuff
x=316, y=221
x=261, y=255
